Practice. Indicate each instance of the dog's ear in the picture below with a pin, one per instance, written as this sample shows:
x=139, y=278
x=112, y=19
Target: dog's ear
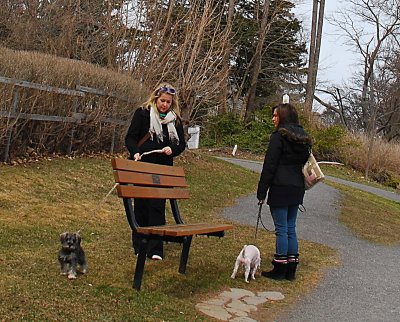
x=78, y=238
x=63, y=236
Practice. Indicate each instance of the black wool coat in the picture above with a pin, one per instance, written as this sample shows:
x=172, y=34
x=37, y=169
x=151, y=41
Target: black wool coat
x=140, y=126
x=288, y=151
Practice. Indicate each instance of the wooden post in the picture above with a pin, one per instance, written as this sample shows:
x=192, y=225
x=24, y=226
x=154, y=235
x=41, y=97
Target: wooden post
x=14, y=105
x=113, y=140
x=315, y=46
x=71, y=141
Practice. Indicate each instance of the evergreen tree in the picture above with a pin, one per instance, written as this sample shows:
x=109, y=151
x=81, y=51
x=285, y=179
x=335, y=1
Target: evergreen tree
x=282, y=50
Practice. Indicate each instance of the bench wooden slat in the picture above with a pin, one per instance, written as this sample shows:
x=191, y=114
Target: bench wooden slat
x=184, y=229
x=152, y=192
x=149, y=179
x=130, y=165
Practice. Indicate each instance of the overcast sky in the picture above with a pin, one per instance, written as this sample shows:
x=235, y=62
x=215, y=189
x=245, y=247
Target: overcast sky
x=337, y=62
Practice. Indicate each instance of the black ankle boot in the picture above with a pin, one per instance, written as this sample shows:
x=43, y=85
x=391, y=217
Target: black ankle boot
x=279, y=270
x=293, y=261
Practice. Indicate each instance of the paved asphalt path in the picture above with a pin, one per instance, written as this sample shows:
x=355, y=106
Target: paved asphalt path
x=366, y=287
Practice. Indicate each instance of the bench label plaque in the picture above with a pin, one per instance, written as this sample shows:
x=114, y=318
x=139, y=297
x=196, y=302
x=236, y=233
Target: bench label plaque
x=156, y=178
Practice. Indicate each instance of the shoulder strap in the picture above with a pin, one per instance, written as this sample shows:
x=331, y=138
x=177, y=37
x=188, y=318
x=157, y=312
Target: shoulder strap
x=144, y=139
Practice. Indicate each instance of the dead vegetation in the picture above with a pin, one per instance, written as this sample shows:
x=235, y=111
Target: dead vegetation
x=384, y=159
x=93, y=104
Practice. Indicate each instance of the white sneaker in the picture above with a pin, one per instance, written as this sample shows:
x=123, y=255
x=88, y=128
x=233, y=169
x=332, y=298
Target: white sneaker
x=156, y=257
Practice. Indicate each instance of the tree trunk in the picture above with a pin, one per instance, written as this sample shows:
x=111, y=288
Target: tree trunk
x=315, y=46
x=372, y=123
x=249, y=103
x=225, y=87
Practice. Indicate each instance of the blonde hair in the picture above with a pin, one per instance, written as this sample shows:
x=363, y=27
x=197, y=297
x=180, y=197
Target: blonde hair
x=151, y=101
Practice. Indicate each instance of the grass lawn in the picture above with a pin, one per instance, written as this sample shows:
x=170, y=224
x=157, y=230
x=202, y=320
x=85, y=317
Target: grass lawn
x=368, y=216
x=39, y=201
x=346, y=173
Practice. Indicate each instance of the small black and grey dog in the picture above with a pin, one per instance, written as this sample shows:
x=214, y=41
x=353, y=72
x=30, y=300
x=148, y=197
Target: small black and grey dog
x=71, y=255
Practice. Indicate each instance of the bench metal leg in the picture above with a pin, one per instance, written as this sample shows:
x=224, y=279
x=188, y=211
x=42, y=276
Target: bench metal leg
x=141, y=259
x=185, y=254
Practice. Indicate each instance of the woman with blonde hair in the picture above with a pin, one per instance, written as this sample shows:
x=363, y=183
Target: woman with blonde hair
x=155, y=126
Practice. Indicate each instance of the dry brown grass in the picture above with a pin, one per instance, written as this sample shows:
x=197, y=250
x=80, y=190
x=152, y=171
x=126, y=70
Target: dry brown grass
x=385, y=158
x=124, y=95
x=66, y=73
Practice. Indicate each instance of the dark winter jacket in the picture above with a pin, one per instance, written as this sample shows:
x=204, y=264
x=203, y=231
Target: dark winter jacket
x=140, y=127
x=288, y=151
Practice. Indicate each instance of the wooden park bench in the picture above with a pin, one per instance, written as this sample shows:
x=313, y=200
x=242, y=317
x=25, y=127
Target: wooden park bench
x=148, y=180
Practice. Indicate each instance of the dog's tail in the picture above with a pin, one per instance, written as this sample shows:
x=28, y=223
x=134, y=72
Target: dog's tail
x=243, y=251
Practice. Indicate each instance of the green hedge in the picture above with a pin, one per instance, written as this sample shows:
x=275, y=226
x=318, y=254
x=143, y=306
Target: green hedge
x=228, y=130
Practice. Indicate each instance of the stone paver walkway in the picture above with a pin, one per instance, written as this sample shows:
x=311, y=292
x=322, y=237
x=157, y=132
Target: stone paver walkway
x=236, y=305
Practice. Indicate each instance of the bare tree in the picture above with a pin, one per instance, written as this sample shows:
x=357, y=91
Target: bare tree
x=387, y=87
x=185, y=45
x=189, y=43
x=369, y=25
x=82, y=30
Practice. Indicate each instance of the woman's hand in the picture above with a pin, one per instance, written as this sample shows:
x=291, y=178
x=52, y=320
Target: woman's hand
x=136, y=157
x=167, y=150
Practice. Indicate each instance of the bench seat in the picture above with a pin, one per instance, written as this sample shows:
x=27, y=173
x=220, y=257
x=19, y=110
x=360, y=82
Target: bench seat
x=184, y=229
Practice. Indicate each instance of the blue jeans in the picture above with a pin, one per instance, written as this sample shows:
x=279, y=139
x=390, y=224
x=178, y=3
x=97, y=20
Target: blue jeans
x=285, y=229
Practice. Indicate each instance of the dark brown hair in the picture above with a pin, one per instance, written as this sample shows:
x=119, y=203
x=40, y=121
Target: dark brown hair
x=287, y=113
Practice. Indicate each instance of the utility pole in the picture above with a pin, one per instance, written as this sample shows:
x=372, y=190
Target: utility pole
x=315, y=46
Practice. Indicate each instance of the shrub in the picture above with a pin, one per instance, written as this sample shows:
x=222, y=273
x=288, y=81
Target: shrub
x=328, y=142
x=228, y=130
x=386, y=178
x=219, y=130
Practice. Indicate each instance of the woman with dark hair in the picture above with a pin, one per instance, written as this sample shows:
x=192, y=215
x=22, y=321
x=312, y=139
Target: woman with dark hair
x=156, y=126
x=282, y=178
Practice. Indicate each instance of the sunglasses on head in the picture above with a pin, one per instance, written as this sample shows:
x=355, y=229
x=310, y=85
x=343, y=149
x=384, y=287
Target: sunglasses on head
x=168, y=90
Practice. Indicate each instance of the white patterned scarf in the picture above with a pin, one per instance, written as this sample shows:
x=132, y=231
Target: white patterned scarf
x=156, y=126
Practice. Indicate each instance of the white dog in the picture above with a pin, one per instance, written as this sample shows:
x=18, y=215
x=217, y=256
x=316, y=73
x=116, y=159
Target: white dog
x=250, y=257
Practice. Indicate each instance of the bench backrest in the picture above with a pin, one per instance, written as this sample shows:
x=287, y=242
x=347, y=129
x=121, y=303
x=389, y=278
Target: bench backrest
x=147, y=180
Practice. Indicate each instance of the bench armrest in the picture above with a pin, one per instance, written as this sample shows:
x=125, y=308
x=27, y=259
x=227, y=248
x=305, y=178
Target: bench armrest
x=175, y=211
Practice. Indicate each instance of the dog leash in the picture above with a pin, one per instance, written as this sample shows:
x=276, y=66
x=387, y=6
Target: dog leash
x=150, y=152
x=115, y=185
x=259, y=220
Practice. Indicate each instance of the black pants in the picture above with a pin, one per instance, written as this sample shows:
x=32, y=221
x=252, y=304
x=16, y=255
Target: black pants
x=149, y=212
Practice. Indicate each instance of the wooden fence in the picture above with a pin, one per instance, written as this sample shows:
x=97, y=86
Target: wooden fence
x=75, y=118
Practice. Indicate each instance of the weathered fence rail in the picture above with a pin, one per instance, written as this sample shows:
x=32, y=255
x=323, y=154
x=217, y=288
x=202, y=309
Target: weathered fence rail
x=76, y=117
x=41, y=87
